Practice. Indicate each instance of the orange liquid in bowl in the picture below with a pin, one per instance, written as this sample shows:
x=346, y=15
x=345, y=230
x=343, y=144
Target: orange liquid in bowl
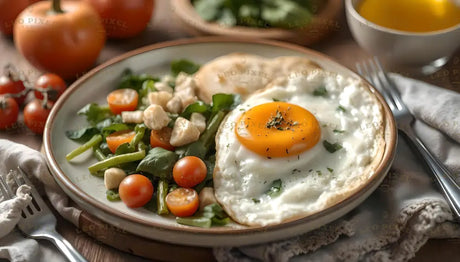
x=411, y=15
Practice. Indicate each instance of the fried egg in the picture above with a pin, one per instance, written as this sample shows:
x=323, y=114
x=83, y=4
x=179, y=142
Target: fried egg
x=297, y=147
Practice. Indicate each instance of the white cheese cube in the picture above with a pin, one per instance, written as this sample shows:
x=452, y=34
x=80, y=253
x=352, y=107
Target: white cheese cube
x=184, y=132
x=155, y=117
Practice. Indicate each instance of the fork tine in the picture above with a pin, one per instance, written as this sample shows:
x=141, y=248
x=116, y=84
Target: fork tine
x=29, y=209
x=6, y=187
x=369, y=73
x=3, y=189
x=40, y=204
x=387, y=82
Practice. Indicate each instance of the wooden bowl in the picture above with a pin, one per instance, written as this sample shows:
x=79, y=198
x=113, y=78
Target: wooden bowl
x=323, y=23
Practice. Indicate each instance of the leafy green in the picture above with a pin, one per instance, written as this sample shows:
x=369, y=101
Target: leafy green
x=331, y=148
x=224, y=102
x=286, y=14
x=134, y=81
x=220, y=105
x=147, y=87
x=115, y=127
x=183, y=65
x=197, y=107
x=95, y=113
x=82, y=135
x=258, y=13
x=275, y=188
x=201, y=147
x=124, y=149
x=158, y=162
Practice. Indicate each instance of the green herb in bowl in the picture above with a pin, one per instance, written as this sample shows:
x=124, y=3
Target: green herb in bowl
x=286, y=14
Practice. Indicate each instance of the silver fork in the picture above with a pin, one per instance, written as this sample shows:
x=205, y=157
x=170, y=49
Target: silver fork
x=37, y=220
x=375, y=74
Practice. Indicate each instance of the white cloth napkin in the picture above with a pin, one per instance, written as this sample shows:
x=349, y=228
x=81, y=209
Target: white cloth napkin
x=392, y=224
x=13, y=246
x=403, y=213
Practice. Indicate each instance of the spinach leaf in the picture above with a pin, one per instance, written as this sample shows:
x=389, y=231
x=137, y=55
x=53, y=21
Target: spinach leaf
x=197, y=107
x=82, y=135
x=114, y=128
x=133, y=81
x=159, y=162
x=124, y=149
x=183, y=65
x=147, y=87
x=224, y=102
x=94, y=113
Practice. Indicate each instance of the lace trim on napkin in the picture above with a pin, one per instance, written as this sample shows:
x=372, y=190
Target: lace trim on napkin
x=409, y=232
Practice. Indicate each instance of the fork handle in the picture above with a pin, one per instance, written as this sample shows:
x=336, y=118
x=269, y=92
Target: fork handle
x=65, y=247
x=444, y=178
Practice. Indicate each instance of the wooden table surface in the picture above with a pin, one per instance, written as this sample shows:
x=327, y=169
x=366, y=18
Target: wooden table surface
x=164, y=26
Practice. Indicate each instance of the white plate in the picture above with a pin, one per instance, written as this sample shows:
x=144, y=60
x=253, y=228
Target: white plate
x=89, y=191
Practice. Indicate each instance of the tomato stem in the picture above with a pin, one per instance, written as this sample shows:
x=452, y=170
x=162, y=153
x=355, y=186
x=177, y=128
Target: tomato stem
x=56, y=7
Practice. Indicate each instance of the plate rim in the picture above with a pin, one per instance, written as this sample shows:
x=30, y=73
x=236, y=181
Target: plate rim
x=380, y=173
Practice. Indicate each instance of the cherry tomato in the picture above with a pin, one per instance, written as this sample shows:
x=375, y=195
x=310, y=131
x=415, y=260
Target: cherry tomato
x=35, y=115
x=115, y=139
x=123, y=18
x=9, y=111
x=183, y=202
x=160, y=138
x=8, y=85
x=122, y=100
x=53, y=81
x=135, y=190
x=9, y=10
x=62, y=38
x=189, y=171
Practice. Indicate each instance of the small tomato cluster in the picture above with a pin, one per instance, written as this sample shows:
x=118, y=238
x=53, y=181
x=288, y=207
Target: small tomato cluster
x=13, y=92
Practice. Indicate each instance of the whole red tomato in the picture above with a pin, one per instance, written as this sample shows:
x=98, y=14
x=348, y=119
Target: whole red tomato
x=10, y=85
x=35, y=115
x=9, y=111
x=62, y=38
x=53, y=82
x=122, y=18
x=135, y=190
x=9, y=10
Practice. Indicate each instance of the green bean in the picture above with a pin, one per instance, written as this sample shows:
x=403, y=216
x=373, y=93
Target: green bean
x=98, y=153
x=162, y=191
x=208, y=135
x=116, y=160
x=194, y=221
x=95, y=140
x=140, y=131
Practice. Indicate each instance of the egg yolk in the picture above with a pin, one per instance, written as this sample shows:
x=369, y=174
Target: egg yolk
x=278, y=129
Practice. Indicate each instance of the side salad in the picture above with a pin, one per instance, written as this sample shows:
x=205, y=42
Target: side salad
x=154, y=142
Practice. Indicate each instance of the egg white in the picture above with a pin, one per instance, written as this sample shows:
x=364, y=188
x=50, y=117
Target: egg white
x=316, y=178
